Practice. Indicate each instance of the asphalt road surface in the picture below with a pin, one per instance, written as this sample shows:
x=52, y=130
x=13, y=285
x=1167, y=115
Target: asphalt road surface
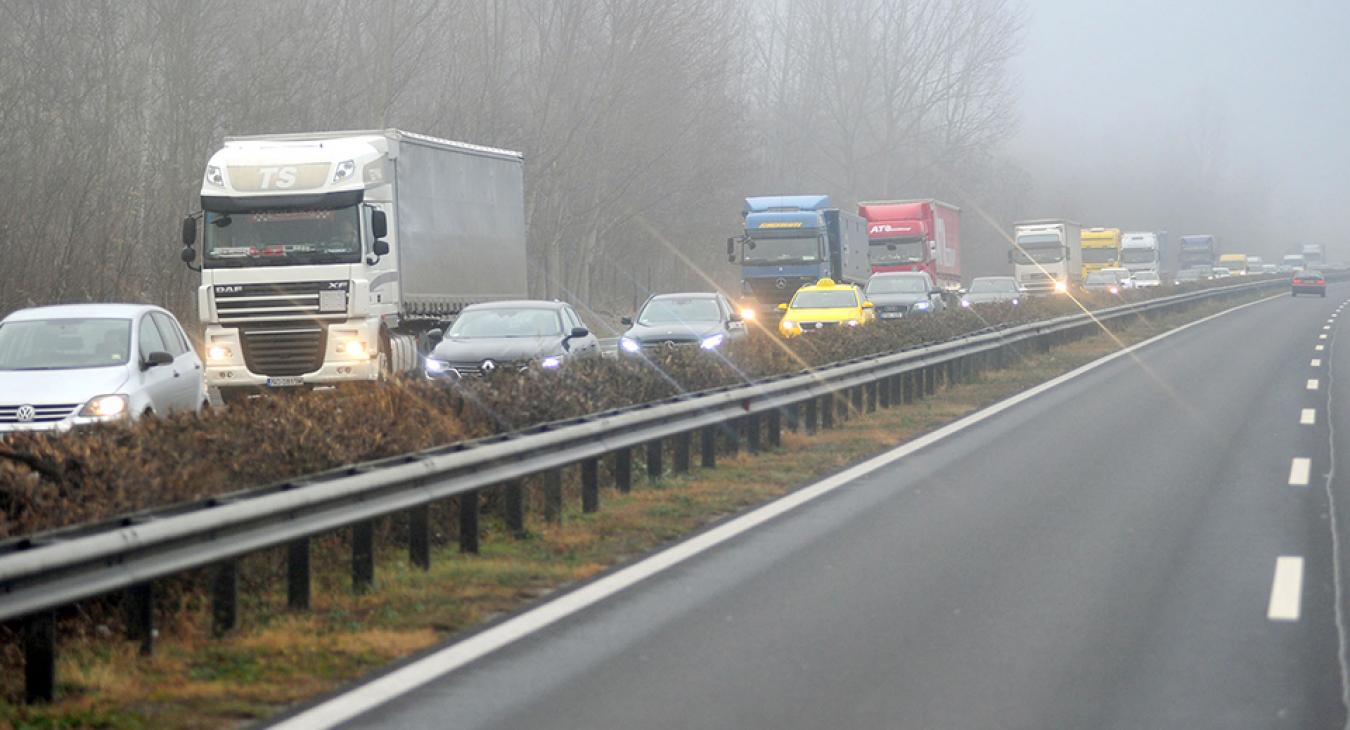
x=1139, y=547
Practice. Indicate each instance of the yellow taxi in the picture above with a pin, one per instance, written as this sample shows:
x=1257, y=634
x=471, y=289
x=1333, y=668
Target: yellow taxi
x=822, y=306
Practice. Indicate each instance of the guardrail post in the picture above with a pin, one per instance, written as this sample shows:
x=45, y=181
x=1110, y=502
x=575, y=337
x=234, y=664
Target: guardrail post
x=419, y=536
x=553, y=496
x=297, y=574
x=363, y=555
x=733, y=433
x=857, y=399
x=684, y=444
x=906, y=387
x=468, y=522
x=140, y=618
x=775, y=428
x=39, y=657
x=827, y=407
x=623, y=469
x=794, y=417
x=590, y=485
x=752, y=432
x=708, y=444
x=812, y=406
x=930, y=380
x=654, y=466
x=873, y=395
x=514, y=503
x=883, y=391
x=225, y=598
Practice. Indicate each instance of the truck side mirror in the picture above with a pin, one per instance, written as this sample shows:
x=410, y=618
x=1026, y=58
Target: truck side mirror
x=1010, y=256
x=380, y=248
x=188, y=254
x=189, y=232
x=731, y=250
x=379, y=224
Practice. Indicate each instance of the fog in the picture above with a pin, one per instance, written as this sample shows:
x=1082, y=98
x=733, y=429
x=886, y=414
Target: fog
x=1224, y=117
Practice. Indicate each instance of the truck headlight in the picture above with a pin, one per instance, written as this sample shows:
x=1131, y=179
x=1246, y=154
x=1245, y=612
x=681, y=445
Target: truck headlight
x=344, y=170
x=711, y=342
x=629, y=344
x=218, y=353
x=1061, y=287
x=353, y=348
x=214, y=176
x=105, y=406
x=552, y=363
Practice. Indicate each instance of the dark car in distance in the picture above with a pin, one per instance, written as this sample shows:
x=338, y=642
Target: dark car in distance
x=1309, y=282
x=508, y=335
x=705, y=319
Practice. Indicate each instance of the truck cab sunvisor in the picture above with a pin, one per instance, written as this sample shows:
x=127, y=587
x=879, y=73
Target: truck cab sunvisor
x=316, y=201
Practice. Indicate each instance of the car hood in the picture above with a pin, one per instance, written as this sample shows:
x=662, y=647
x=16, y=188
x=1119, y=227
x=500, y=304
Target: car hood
x=985, y=297
x=903, y=299
x=37, y=387
x=822, y=315
x=502, y=349
x=674, y=331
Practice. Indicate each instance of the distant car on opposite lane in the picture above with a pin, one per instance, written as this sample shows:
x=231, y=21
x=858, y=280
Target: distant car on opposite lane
x=1308, y=281
x=705, y=319
x=72, y=365
x=897, y=294
x=990, y=289
x=508, y=335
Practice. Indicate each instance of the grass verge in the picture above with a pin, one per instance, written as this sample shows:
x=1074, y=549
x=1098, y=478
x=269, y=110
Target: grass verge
x=277, y=658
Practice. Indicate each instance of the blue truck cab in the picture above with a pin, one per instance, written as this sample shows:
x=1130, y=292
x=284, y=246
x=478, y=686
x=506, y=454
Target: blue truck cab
x=794, y=240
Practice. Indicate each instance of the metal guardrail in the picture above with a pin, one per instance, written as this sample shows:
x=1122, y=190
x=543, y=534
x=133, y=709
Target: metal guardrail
x=44, y=572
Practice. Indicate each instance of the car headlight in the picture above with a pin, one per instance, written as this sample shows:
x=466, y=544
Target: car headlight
x=550, y=362
x=788, y=324
x=629, y=344
x=966, y=303
x=435, y=367
x=1061, y=287
x=748, y=314
x=1015, y=301
x=711, y=341
x=217, y=353
x=852, y=323
x=105, y=406
x=1115, y=290
x=922, y=306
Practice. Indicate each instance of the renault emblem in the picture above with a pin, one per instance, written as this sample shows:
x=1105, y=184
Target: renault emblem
x=489, y=366
x=25, y=414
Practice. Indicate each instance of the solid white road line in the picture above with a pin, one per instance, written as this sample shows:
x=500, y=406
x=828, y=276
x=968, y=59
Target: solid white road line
x=1308, y=417
x=1286, y=591
x=1299, y=469
x=409, y=677
x=1312, y=384
x=1316, y=363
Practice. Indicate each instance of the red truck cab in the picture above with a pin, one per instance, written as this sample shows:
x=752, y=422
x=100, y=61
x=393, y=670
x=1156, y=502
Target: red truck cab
x=915, y=235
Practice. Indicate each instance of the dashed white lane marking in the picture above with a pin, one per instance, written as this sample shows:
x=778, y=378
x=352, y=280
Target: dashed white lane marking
x=1316, y=362
x=1308, y=417
x=1286, y=591
x=1299, y=470
x=1326, y=326
x=1320, y=348
x=1312, y=383
x=1321, y=337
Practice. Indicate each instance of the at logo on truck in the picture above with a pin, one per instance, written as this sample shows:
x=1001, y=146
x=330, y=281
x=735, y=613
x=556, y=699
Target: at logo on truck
x=888, y=228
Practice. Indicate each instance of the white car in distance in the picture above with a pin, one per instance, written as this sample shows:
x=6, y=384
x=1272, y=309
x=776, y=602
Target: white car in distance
x=71, y=365
x=1144, y=279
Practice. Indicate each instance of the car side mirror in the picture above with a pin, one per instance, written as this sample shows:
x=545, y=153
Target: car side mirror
x=189, y=231
x=868, y=305
x=435, y=334
x=735, y=317
x=578, y=332
x=626, y=320
x=157, y=358
x=782, y=307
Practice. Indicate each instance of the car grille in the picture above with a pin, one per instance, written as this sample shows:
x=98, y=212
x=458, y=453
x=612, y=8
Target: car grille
x=300, y=301
x=476, y=370
x=281, y=351
x=40, y=413
x=668, y=343
x=817, y=326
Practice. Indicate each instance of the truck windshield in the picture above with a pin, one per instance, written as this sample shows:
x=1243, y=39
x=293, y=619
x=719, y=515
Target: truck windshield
x=985, y=286
x=782, y=250
x=59, y=344
x=1137, y=255
x=824, y=300
x=1099, y=255
x=896, y=250
x=674, y=311
x=282, y=238
x=1040, y=254
x=506, y=322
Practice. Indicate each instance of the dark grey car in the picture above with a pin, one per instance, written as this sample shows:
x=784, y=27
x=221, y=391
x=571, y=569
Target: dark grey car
x=990, y=289
x=509, y=335
x=897, y=294
x=674, y=320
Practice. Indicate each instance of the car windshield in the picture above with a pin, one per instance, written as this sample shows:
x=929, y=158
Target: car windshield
x=673, y=310
x=1189, y=276
x=1146, y=276
x=282, y=238
x=898, y=285
x=824, y=299
x=507, y=322
x=1310, y=275
x=896, y=250
x=782, y=250
x=1101, y=277
x=989, y=286
x=58, y=344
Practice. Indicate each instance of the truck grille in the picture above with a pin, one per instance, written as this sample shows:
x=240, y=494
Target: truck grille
x=279, y=351
x=299, y=301
x=39, y=413
x=766, y=289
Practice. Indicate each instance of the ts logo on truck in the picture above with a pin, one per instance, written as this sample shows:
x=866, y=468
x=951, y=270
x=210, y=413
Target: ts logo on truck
x=277, y=177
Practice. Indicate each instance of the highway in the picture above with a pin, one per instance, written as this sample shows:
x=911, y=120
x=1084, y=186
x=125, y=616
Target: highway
x=1152, y=544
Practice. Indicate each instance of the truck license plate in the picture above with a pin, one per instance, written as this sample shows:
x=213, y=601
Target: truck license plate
x=284, y=382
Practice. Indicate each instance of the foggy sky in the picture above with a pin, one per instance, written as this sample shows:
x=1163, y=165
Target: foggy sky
x=1113, y=91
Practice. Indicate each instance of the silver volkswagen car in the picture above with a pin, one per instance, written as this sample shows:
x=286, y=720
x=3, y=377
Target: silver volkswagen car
x=77, y=364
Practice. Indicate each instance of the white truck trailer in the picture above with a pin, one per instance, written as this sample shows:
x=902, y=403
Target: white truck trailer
x=1047, y=254
x=326, y=255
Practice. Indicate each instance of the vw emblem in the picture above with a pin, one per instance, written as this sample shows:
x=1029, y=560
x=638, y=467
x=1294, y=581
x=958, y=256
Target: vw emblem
x=25, y=414
x=489, y=366
x=780, y=283
x=819, y=325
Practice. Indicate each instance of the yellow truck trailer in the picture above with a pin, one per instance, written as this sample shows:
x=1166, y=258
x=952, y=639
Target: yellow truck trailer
x=1101, y=249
